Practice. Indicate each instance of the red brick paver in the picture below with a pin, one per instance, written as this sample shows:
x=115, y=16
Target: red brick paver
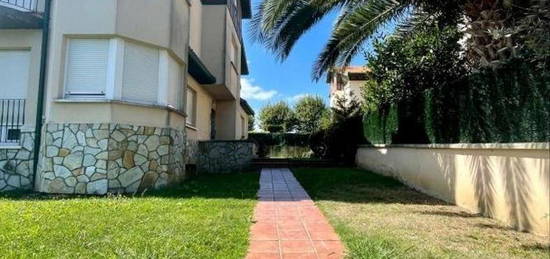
x=287, y=222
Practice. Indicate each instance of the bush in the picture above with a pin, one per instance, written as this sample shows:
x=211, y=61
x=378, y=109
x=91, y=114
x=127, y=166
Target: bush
x=510, y=104
x=340, y=140
x=264, y=141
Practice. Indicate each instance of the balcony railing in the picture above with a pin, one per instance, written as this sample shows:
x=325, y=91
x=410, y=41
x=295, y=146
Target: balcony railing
x=12, y=118
x=23, y=5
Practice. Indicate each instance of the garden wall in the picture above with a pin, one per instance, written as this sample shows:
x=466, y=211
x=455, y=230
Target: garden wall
x=508, y=182
x=224, y=156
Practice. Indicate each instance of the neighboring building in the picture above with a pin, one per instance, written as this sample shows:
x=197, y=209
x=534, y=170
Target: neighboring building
x=346, y=83
x=130, y=88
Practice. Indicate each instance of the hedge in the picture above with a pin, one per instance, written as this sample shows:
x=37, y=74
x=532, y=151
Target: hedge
x=511, y=104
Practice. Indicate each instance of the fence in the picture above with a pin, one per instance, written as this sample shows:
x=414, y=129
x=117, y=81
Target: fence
x=22, y=5
x=12, y=118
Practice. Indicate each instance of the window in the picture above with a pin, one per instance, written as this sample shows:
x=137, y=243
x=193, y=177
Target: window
x=141, y=74
x=244, y=127
x=234, y=51
x=175, y=84
x=15, y=66
x=115, y=69
x=87, y=62
x=191, y=108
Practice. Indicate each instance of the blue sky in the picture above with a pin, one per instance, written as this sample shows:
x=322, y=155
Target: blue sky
x=271, y=80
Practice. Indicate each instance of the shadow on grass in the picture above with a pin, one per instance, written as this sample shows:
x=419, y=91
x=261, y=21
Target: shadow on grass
x=460, y=214
x=537, y=248
x=358, y=186
x=209, y=186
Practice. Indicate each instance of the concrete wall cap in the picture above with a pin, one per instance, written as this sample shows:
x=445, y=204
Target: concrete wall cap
x=500, y=146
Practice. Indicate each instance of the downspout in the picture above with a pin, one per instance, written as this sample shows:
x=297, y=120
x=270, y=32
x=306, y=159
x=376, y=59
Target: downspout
x=41, y=87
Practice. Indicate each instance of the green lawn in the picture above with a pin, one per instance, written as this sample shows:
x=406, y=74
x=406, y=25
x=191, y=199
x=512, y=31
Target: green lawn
x=207, y=217
x=378, y=217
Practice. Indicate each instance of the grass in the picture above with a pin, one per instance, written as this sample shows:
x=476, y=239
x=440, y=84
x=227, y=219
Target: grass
x=378, y=217
x=206, y=217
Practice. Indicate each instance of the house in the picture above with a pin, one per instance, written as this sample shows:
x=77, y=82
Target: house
x=346, y=84
x=123, y=90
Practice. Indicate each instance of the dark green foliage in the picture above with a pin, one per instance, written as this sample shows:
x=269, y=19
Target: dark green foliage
x=511, y=104
x=340, y=140
x=380, y=125
x=251, y=122
x=265, y=140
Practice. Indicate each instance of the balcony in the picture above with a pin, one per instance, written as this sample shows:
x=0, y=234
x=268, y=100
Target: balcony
x=12, y=119
x=21, y=14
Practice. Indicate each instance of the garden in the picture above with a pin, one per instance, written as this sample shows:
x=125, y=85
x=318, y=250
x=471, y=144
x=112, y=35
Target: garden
x=206, y=217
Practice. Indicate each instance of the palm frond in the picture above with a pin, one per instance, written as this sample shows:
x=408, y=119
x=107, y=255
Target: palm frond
x=353, y=28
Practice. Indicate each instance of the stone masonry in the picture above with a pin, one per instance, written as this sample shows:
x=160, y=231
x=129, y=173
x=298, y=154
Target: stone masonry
x=220, y=156
x=16, y=165
x=109, y=158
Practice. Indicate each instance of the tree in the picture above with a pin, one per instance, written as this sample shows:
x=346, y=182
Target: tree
x=277, y=117
x=309, y=112
x=279, y=24
x=251, y=123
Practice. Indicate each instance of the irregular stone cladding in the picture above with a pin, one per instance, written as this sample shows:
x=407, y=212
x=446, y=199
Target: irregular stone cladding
x=16, y=165
x=109, y=158
x=224, y=156
x=192, y=151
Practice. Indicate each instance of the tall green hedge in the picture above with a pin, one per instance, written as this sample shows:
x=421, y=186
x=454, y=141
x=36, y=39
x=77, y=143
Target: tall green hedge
x=511, y=104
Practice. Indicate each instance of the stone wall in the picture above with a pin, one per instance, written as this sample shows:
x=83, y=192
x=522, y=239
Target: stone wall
x=16, y=165
x=109, y=158
x=224, y=156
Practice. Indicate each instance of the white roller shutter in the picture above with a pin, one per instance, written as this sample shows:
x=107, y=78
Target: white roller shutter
x=141, y=74
x=175, y=84
x=14, y=74
x=87, y=62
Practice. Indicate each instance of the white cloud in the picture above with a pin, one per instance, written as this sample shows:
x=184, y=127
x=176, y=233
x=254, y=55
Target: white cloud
x=295, y=98
x=254, y=92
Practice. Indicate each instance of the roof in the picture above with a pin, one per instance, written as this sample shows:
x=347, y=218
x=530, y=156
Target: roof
x=246, y=9
x=244, y=62
x=246, y=107
x=198, y=70
x=355, y=72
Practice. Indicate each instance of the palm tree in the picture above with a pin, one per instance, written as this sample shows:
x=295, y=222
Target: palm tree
x=279, y=24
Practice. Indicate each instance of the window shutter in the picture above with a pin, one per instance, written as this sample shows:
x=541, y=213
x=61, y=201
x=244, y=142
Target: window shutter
x=141, y=74
x=191, y=109
x=87, y=67
x=14, y=74
x=175, y=85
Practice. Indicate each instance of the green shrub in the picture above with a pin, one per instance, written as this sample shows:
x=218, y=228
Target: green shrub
x=264, y=141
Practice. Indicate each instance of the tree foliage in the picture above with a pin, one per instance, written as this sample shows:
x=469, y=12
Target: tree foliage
x=404, y=68
x=278, y=117
x=279, y=24
x=309, y=111
x=251, y=123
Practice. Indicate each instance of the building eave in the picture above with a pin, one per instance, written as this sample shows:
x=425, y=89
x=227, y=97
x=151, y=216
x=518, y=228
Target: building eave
x=246, y=107
x=198, y=70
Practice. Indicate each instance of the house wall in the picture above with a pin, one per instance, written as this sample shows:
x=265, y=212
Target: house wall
x=16, y=161
x=161, y=24
x=26, y=40
x=213, y=40
x=508, y=182
x=201, y=131
x=84, y=166
x=195, y=41
x=226, y=120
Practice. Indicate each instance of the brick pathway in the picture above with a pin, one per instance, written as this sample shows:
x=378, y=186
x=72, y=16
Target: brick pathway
x=287, y=222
